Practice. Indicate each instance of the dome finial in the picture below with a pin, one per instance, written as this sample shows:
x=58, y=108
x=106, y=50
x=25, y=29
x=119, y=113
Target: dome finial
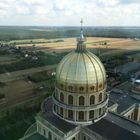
x=81, y=35
x=81, y=24
x=80, y=40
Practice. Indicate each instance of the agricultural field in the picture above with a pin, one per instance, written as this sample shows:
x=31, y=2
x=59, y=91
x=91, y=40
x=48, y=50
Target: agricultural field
x=23, y=101
x=23, y=80
x=9, y=33
x=16, y=121
x=51, y=51
x=11, y=76
x=25, y=88
x=8, y=59
x=118, y=44
x=18, y=88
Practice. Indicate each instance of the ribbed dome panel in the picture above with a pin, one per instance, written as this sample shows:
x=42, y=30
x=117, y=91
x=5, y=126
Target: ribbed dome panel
x=81, y=70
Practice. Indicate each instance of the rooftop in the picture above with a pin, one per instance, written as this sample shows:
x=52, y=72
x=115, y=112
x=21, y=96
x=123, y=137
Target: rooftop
x=123, y=100
x=59, y=123
x=36, y=136
x=112, y=122
x=125, y=68
x=114, y=127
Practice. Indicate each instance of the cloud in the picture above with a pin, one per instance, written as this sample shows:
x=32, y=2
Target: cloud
x=69, y=12
x=3, y=13
x=128, y=1
x=41, y=10
x=3, y=5
x=108, y=3
x=22, y=10
x=33, y=2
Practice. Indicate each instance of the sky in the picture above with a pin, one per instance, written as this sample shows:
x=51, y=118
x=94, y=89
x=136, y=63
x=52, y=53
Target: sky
x=69, y=12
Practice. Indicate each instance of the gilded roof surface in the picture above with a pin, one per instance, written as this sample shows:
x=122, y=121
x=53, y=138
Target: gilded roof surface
x=81, y=69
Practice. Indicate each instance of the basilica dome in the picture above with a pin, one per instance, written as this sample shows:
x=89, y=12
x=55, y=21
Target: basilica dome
x=80, y=95
x=81, y=72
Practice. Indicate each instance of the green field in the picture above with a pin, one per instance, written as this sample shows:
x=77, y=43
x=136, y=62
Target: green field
x=34, y=32
x=8, y=59
x=25, y=63
x=21, y=77
x=18, y=120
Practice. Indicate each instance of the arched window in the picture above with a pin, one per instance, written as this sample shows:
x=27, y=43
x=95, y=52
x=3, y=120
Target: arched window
x=92, y=88
x=81, y=88
x=61, y=85
x=61, y=97
x=70, y=99
x=91, y=114
x=100, y=97
x=70, y=88
x=49, y=136
x=81, y=100
x=104, y=110
x=132, y=115
x=56, y=93
x=44, y=132
x=92, y=99
x=54, y=108
x=100, y=86
x=100, y=111
x=73, y=138
x=70, y=114
x=84, y=137
x=81, y=115
x=61, y=111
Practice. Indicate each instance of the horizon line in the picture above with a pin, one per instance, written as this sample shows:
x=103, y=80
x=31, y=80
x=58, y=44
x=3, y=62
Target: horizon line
x=73, y=25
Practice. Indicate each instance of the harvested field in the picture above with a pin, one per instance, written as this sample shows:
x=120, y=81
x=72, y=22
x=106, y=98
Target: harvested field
x=92, y=42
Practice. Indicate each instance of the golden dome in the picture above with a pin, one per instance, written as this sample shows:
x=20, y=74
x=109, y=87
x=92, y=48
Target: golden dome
x=81, y=72
x=80, y=95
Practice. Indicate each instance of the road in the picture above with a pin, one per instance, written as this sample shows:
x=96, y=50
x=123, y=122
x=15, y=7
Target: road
x=11, y=76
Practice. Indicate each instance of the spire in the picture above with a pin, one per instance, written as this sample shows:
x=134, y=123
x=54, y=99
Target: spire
x=81, y=26
x=81, y=40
